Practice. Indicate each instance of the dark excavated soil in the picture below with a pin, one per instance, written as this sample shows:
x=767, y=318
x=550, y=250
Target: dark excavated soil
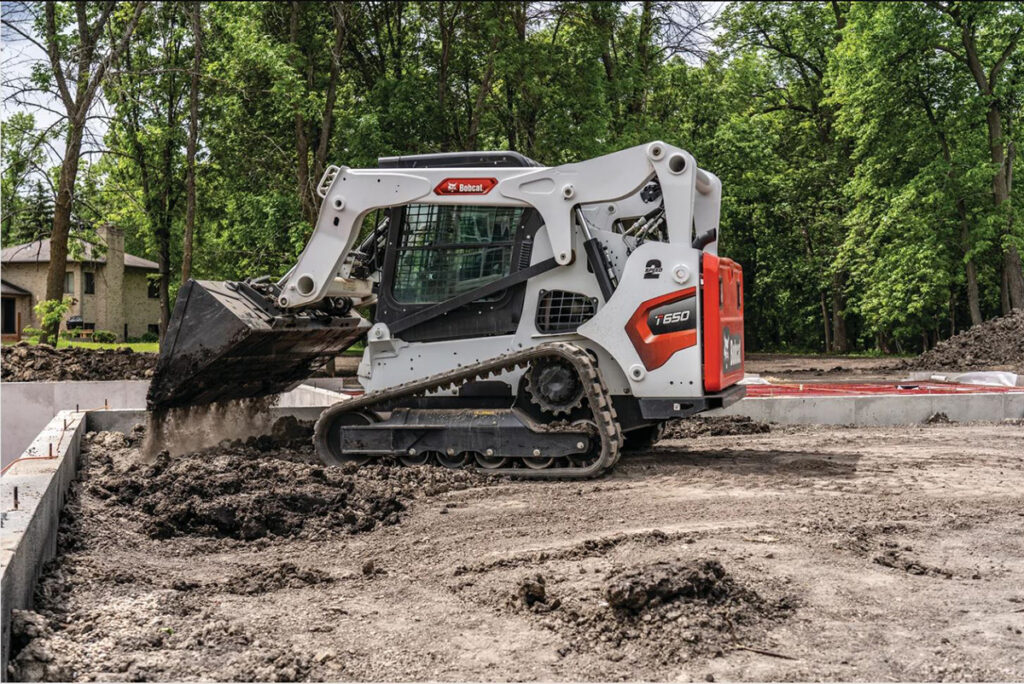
x=666, y=612
x=32, y=363
x=699, y=426
x=263, y=486
x=996, y=344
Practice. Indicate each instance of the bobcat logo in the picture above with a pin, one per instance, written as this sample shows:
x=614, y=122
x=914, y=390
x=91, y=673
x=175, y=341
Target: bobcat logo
x=453, y=187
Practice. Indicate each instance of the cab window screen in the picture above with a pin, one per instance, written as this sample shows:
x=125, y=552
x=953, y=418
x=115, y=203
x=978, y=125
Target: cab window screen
x=447, y=250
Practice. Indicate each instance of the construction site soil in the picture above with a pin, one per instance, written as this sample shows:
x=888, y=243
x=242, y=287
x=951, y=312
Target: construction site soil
x=41, y=362
x=797, y=553
x=997, y=344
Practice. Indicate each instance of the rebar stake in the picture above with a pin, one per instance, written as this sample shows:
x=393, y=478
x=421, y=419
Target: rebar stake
x=15, y=498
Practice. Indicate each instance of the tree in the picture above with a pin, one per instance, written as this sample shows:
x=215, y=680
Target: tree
x=193, y=139
x=22, y=147
x=79, y=55
x=988, y=34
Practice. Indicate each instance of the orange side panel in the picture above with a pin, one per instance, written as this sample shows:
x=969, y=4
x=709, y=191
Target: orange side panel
x=655, y=350
x=723, y=322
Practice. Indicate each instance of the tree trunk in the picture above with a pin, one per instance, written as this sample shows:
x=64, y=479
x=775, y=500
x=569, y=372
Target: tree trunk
x=62, y=207
x=839, y=342
x=193, y=135
x=1013, y=275
x=309, y=210
x=445, y=29
x=825, y=323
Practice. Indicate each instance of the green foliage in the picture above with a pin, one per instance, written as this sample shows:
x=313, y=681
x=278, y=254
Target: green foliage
x=851, y=138
x=33, y=335
x=51, y=312
x=104, y=337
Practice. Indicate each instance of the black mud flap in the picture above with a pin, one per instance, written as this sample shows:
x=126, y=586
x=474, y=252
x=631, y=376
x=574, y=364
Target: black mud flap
x=227, y=341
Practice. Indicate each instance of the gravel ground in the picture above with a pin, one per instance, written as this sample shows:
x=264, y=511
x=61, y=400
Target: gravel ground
x=795, y=554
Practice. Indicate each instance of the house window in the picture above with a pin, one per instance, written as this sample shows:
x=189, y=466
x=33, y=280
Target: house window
x=153, y=328
x=153, y=290
x=89, y=287
x=69, y=282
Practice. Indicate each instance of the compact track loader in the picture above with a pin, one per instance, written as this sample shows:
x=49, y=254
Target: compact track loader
x=526, y=319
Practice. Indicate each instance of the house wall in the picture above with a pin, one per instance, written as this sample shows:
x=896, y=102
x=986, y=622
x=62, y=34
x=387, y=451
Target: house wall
x=31, y=277
x=139, y=310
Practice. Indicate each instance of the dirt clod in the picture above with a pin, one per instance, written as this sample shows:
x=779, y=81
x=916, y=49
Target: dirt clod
x=661, y=582
x=25, y=362
x=532, y=594
x=899, y=560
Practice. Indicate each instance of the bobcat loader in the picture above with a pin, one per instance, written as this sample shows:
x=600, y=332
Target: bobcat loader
x=526, y=319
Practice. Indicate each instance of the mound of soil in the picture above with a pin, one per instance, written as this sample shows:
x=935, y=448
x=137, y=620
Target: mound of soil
x=25, y=362
x=997, y=344
x=261, y=579
x=263, y=486
x=666, y=612
x=702, y=426
x=660, y=582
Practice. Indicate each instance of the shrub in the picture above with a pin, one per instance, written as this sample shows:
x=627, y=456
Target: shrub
x=50, y=313
x=66, y=335
x=150, y=337
x=32, y=333
x=104, y=336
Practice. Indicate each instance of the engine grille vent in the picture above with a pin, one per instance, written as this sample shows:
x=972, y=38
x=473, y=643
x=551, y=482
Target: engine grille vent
x=559, y=311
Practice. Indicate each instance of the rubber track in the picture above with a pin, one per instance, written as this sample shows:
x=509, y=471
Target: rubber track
x=595, y=391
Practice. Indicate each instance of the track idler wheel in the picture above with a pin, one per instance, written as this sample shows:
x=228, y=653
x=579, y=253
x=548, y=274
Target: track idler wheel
x=453, y=460
x=418, y=458
x=488, y=462
x=326, y=437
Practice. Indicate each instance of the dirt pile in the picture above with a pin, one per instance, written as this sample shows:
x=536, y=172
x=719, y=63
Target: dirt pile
x=259, y=487
x=665, y=612
x=261, y=579
x=36, y=660
x=661, y=582
x=997, y=344
x=702, y=426
x=32, y=363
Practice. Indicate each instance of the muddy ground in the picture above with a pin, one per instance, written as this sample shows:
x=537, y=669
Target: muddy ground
x=41, y=362
x=794, y=554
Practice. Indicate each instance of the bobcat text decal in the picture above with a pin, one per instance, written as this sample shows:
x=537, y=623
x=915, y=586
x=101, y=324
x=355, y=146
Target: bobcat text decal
x=465, y=186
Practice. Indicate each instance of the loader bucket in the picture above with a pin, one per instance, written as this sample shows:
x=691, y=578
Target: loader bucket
x=226, y=341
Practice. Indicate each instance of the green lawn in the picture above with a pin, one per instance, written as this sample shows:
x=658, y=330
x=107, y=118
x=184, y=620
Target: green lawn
x=153, y=347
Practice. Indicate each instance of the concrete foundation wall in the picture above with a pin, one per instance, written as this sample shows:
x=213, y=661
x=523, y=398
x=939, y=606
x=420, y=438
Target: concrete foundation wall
x=29, y=536
x=26, y=407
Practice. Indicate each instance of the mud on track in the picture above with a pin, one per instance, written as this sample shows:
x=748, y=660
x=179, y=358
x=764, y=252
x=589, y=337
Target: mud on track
x=800, y=553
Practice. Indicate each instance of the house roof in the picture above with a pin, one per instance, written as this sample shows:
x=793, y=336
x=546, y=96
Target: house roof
x=38, y=252
x=11, y=289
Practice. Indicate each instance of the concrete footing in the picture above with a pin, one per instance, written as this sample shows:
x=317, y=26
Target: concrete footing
x=878, y=409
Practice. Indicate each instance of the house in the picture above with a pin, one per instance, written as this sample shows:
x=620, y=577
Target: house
x=111, y=290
